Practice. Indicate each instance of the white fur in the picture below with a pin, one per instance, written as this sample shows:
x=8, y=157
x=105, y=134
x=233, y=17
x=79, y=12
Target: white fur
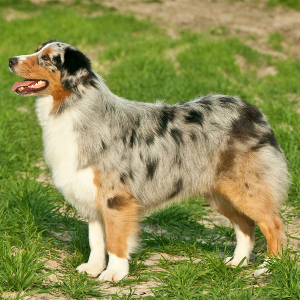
x=262, y=268
x=96, y=263
x=23, y=57
x=60, y=149
x=243, y=248
x=117, y=269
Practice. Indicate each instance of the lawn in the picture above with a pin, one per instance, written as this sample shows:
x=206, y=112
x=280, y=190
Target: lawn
x=180, y=256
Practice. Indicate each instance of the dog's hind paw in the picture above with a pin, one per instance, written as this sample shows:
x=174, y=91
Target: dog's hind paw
x=262, y=268
x=91, y=269
x=112, y=275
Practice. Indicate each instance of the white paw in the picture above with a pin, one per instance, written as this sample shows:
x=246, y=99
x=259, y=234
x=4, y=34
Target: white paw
x=262, y=268
x=112, y=275
x=91, y=269
x=260, y=271
x=233, y=261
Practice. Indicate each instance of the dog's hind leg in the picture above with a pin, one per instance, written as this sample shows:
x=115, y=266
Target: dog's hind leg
x=257, y=205
x=96, y=262
x=273, y=229
x=244, y=230
x=256, y=202
x=255, y=183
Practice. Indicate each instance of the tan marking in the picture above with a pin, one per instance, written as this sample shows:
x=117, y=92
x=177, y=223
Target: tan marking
x=120, y=222
x=246, y=224
x=29, y=69
x=254, y=199
x=47, y=51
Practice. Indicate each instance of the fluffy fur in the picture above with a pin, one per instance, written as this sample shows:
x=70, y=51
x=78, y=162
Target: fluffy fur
x=113, y=158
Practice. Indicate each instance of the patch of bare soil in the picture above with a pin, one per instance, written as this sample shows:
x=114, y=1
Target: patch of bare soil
x=10, y=14
x=44, y=296
x=249, y=19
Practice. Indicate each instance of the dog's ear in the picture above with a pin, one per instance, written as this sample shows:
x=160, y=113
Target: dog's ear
x=75, y=68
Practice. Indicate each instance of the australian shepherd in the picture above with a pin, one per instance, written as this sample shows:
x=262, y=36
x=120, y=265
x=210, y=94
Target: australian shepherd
x=113, y=159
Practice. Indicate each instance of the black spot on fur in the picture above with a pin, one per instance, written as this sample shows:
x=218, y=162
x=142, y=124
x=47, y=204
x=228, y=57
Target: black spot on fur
x=178, y=185
x=150, y=140
x=162, y=123
x=267, y=139
x=206, y=104
x=123, y=178
x=115, y=203
x=178, y=159
x=227, y=102
x=177, y=136
x=138, y=122
x=91, y=81
x=243, y=128
x=171, y=111
x=130, y=174
x=193, y=137
x=246, y=185
x=103, y=146
x=132, y=138
x=194, y=116
x=57, y=62
x=167, y=115
x=151, y=166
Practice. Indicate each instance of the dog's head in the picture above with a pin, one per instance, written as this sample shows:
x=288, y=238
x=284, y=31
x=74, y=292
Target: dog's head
x=54, y=68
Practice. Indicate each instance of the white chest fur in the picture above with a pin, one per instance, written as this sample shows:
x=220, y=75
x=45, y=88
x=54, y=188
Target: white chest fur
x=61, y=154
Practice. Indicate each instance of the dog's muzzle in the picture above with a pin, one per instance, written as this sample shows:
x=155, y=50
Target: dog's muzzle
x=12, y=62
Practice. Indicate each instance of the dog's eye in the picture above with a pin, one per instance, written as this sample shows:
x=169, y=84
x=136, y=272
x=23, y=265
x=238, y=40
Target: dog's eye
x=45, y=57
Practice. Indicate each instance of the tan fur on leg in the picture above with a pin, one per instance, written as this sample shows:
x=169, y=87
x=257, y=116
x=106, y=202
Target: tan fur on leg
x=120, y=212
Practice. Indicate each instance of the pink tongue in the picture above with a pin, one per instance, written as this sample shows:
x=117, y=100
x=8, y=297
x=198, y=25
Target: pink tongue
x=22, y=83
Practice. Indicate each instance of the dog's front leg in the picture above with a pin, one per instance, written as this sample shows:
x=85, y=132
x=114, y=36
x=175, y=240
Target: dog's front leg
x=120, y=215
x=96, y=262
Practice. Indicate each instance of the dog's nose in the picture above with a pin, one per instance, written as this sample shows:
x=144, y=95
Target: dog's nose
x=13, y=61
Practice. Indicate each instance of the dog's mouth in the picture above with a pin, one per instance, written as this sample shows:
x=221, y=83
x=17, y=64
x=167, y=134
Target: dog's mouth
x=29, y=86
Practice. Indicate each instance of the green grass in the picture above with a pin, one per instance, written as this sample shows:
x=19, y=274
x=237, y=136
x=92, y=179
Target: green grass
x=275, y=41
x=139, y=61
x=295, y=4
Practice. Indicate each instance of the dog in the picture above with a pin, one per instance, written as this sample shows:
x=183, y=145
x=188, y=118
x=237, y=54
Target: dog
x=113, y=159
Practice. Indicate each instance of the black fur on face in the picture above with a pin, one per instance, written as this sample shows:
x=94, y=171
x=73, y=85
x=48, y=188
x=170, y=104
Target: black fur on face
x=75, y=68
